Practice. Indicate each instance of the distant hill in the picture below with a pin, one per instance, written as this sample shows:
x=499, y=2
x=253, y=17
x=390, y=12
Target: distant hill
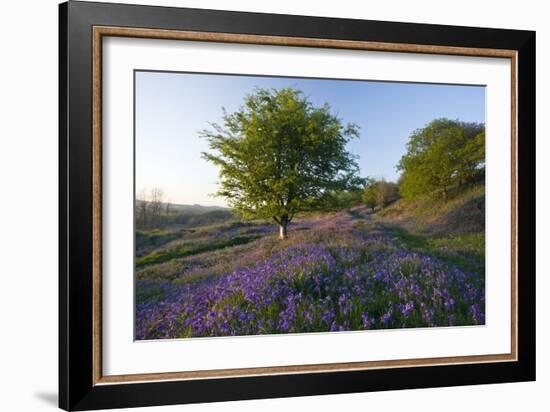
x=196, y=209
x=198, y=215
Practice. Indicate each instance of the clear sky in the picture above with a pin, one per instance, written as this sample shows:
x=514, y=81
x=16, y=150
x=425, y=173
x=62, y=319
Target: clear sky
x=171, y=108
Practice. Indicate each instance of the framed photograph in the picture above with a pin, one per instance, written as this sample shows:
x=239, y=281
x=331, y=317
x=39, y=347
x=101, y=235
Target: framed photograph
x=256, y=205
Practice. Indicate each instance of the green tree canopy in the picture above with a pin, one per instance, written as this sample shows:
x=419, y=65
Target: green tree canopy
x=445, y=153
x=370, y=193
x=279, y=155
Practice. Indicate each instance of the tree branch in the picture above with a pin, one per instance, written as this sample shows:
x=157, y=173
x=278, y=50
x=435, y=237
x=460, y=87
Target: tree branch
x=291, y=217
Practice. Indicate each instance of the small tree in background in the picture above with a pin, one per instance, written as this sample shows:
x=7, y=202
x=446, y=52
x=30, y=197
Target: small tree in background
x=345, y=199
x=142, y=209
x=386, y=193
x=155, y=206
x=149, y=208
x=279, y=155
x=167, y=209
x=379, y=193
x=370, y=193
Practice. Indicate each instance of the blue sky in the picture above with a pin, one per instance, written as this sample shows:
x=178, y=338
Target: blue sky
x=171, y=108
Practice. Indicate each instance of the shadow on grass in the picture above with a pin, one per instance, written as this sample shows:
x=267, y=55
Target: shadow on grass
x=183, y=251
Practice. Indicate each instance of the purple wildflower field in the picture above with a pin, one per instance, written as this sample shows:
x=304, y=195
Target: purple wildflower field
x=336, y=272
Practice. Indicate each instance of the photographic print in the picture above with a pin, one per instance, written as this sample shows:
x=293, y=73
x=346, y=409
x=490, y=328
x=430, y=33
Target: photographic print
x=234, y=206
x=270, y=205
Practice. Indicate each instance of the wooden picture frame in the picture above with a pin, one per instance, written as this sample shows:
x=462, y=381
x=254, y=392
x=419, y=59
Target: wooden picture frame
x=83, y=26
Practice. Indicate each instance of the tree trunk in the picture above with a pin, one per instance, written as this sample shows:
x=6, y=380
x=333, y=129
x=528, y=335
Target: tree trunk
x=283, y=227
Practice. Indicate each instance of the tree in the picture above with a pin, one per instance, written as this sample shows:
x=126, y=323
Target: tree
x=386, y=192
x=370, y=193
x=472, y=155
x=444, y=153
x=155, y=206
x=344, y=199
x=142, y=209
x=167, y=209
x=279, y=155
x=149, y=207
x=379, y=193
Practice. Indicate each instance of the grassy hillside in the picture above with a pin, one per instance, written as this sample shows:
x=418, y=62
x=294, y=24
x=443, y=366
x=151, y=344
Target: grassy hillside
x=463, y=212
x=452, y=230
x=412, y=264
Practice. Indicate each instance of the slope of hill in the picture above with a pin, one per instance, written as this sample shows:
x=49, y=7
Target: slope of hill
x=405, y=266
x=453, y=230
x=463, y=212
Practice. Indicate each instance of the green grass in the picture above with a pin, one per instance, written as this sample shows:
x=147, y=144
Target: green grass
x=451, y=230
x=463, y=211
x=154, y=238
x=464, y=250
x=190, y=249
